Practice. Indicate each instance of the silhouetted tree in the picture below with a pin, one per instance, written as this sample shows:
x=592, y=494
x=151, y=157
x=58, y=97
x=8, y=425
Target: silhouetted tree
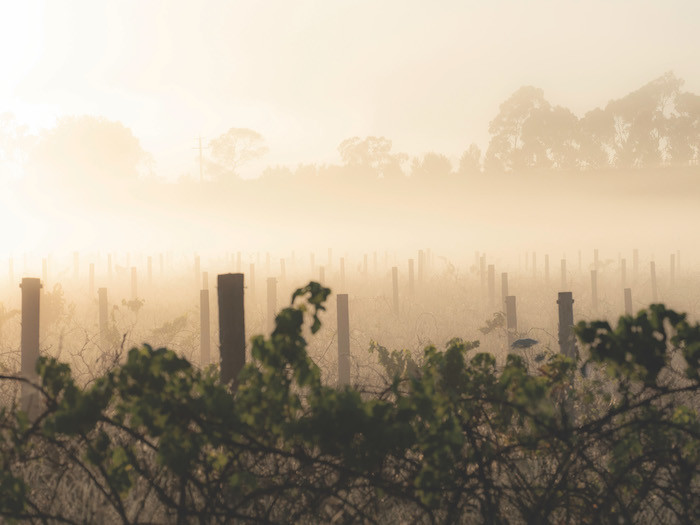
x=371, y=156
x=505, y=151
x=232, y=150
x=432, y=165
x=88, y=150
x=470, y=161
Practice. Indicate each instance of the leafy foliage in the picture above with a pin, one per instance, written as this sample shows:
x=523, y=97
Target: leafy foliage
x=456, y=437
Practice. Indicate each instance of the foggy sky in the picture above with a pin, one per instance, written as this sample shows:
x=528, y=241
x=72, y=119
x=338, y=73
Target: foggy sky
x=307, y=75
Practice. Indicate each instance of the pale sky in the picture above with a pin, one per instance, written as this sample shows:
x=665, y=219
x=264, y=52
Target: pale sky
x=308, y=74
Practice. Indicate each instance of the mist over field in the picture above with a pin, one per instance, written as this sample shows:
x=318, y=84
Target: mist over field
x=462, y=185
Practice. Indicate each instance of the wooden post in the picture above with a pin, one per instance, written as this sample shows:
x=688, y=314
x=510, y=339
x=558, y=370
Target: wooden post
x=421, y=268
x=672, y=269
x=482, y=272
x=628, y=301
x=231, y=326
x=395, y=288
x=546, y=268
x=563, y=274
x=492, y=286
x=504, y=288
x=594, y=289
x=134, y=294
x=654, y=289
x=411, y=284
x=343, y=340
x=103, y=314
x=204, y=329
x=635, y=264
x=251, y=281
x=511, y=320
x=567, y=342
x=271, y=303
x=29, y=396
x=623, y=273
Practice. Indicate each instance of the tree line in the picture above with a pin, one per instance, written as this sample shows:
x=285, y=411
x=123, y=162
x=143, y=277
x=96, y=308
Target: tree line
x=656, y=126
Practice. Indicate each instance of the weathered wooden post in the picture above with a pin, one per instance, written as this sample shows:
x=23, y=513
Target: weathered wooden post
x=421, y=268
x=628, y=301
x=635, y=264
x=204, y=329
x=511, y=320
x=103, y=315
x=343, y=340
x=91, y=279
x=482, y=272
x=654, y=289
x=623, y=273
x=563, y=274
x=231, y=326
x=395, y=288
x=342, y=274
x=411, y=283
x=149, y=270
x=672, y=269
x=567, y=342
x=504, y=288
x=134, y=290
x=546, y=268
x=29, y=396
x=76, y=266
x=594, y=289
x=271, y=303
x=492, y=286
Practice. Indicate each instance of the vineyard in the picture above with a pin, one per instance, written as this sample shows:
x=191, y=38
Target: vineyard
x=412, y=390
